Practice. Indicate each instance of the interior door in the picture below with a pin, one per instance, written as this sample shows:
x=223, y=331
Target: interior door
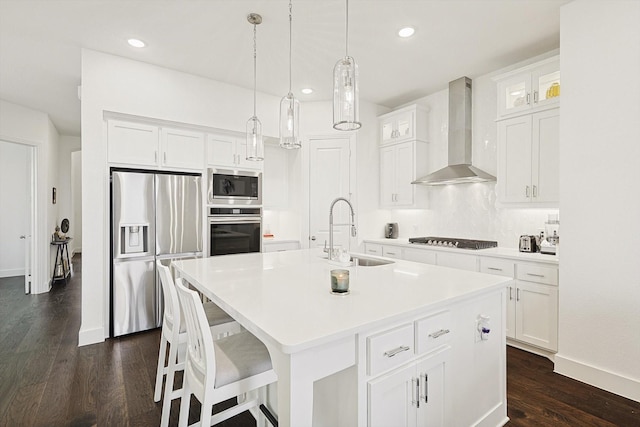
x=329, y=177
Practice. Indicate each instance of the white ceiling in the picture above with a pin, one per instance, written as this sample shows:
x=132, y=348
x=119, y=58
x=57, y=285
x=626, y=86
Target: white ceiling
x=40, y=44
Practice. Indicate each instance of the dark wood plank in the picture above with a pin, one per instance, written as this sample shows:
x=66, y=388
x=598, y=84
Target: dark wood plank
x=46, y=379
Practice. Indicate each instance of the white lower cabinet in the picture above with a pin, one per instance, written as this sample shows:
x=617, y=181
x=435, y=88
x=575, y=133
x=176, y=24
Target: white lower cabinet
x=412, y=395
x=532, y=301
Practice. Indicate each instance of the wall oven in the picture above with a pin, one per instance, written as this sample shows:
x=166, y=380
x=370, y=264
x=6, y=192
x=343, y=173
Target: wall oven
x=234, y=230
x=234, y=187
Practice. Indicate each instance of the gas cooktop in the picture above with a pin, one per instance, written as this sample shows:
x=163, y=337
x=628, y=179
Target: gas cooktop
x=449, y=242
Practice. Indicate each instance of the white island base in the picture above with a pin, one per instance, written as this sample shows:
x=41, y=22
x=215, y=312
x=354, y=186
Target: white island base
x=404, y=348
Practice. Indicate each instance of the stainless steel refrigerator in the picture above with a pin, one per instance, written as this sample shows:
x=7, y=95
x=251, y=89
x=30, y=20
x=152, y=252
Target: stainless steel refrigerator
x=154, y=216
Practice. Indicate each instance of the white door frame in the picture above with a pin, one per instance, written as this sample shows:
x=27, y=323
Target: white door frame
x=306, y=158
x=33, y=243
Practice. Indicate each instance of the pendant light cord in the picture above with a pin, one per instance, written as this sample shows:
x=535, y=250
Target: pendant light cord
x=347, y=32
x=254, y=70
x=290, y=20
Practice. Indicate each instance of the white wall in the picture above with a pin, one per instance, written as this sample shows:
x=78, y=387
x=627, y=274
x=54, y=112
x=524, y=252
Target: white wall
x=115, y=84
x=66, y=146
x=14, y=206
x=30, y=127
x=599, y=176
x=75, y=221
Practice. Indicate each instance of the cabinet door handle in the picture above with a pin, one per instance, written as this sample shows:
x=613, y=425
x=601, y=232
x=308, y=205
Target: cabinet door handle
x=155, y=156
x=528, y=99
x=391, y=353
x=415, y=392
x=164, y=157
x=535, y=97
x=494, y=268
x=517, y=294
x=510, y=293
x=535, y=191
x=425, y=387
x=526, y=191
x=439, y=333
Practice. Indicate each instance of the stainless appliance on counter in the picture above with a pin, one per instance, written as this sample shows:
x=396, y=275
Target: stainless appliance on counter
x=391, y=230
x=154, y=216
x=233, y=187
x=528, y=244
x=454, y=242
x=234, y=230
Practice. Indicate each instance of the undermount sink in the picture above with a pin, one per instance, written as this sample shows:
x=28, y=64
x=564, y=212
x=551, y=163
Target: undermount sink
x=370, y=262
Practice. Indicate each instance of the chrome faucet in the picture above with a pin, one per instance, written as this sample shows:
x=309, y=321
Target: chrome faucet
x=331, y=224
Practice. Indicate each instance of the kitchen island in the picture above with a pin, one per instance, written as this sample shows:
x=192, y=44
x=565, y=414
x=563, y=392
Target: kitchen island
x=405, y=344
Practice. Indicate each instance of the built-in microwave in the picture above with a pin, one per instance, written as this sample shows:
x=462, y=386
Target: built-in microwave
x=234, y=187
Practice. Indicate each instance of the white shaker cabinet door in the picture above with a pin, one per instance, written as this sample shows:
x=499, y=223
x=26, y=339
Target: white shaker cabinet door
x=514, y=160
x=132, y=143
x=545, y=171
x=390, y=399
x=537, y=314
x=182, y=149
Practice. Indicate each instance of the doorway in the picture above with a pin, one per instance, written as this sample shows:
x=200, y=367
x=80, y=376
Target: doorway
x=17, y=204
x=331, y=175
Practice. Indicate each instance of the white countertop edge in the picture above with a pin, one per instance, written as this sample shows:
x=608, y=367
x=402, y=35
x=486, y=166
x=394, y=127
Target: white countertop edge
x=499, y=252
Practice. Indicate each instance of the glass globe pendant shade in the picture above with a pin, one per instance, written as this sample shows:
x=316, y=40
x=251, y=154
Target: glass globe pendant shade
x=289, y=122
x=346, y=114
x=255, y=147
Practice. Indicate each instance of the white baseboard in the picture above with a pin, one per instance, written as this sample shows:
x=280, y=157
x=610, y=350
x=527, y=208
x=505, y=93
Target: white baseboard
x=90, y=336
x=11, y=272
x=597, y=377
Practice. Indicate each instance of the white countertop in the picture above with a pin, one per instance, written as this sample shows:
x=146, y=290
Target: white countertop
x=498, y=252
x=287, y=294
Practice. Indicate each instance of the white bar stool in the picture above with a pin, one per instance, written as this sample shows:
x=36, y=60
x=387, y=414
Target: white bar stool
x=217, y=370
x=174, y=333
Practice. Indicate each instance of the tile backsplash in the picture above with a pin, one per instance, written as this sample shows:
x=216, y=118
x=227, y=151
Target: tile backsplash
x=469, y=211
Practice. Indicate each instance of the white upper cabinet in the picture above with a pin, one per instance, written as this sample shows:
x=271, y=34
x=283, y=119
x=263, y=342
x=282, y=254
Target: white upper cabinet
x=132, y=143
x=275, y=182
x=230, y=152
x=182, y=148
x=141, y=144
x=403, y=155
x=405, y=124
x=529, y=89
x=528, y=158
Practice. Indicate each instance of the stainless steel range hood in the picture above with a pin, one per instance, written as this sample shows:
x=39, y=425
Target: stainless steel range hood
x=460, y=170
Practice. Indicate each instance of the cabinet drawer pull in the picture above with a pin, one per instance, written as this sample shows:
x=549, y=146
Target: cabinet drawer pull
x=395, y=351
x=439, y=333
x=391, y=253
x=535, y=275
x=494, y=268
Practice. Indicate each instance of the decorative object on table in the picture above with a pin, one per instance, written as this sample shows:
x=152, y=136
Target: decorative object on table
x=346, y=114
x=340, y=282
x=528, y=244
x=289, y=109
x=59, y=235
x=255, y=145
x=64, y=225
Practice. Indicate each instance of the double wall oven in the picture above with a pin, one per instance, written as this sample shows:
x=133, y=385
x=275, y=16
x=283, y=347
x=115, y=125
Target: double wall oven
x=235, y=212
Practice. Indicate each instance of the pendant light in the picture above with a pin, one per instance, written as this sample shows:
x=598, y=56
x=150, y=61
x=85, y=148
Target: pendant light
x=289, y=109
x=255, y=145
x=346, y=115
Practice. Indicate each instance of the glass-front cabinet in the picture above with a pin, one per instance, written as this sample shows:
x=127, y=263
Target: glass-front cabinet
x=529, y=89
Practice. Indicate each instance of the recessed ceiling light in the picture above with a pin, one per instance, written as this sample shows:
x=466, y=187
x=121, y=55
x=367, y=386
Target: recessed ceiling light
x=136, y=43
x=306, y=90
x=406, y=32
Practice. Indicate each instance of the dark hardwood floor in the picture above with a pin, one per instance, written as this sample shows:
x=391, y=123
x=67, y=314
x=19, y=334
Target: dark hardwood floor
x=47, y=380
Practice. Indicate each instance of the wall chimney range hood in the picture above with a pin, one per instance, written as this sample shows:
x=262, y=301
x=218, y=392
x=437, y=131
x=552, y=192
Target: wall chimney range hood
x=459, y=169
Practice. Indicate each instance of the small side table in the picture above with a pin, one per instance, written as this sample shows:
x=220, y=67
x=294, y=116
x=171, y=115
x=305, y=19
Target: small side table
x=62, y=264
